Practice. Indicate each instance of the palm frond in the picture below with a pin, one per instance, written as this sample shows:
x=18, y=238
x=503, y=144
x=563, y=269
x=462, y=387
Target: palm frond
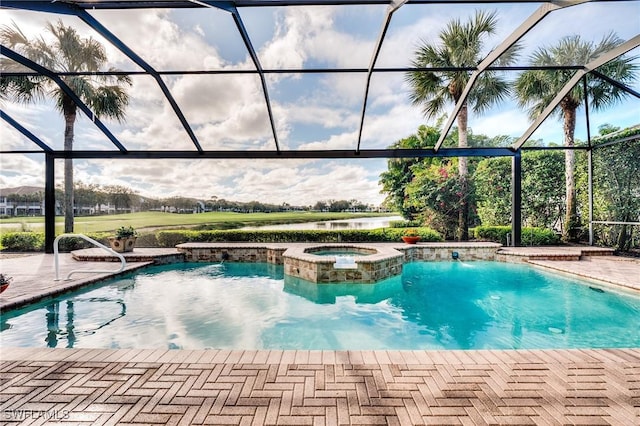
x=536, y=89
x=67, y=52
x=488, y=90
x=460, y=45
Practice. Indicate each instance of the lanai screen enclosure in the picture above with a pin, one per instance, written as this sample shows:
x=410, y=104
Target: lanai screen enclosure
x=284, y=55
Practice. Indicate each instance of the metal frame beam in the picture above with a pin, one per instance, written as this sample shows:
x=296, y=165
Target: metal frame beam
x=65, y=88
x=49, y=203
x=256, y=61
x=103, y=31
x=516, y=199
x=495, y=54
x=300, y=71
x=186, y=4
x=393, y=6
x=617, y=141
x=615, y=83
x=237, y=19
x=285, y=154
x=600, y=60
x=33, y=138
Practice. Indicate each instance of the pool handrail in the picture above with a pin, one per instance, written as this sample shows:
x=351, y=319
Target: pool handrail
x=88, y=271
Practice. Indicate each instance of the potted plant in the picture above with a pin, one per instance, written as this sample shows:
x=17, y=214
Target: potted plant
x=4, y=282
x=124, y=240
x=410, y=236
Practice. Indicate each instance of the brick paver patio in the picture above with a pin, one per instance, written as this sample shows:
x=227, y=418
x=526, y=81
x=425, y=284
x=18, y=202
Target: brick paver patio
x=97, y=387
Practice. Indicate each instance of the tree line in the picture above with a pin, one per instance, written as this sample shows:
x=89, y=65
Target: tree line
x=428, y=190
x=122, y=198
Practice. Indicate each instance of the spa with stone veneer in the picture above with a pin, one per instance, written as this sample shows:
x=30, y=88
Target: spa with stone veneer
x=343, y=263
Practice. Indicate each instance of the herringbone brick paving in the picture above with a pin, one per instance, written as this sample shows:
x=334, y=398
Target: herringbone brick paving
x=554, y=387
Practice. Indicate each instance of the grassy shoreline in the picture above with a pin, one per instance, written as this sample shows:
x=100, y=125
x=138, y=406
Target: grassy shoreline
x=152, y=221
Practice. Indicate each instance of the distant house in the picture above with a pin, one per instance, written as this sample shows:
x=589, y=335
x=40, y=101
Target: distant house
x=29, y=201
x=22, y=201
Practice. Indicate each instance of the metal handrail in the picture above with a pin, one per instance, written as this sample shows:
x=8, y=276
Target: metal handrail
x=81, y=271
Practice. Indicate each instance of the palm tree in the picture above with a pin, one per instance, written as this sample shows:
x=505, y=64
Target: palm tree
x=105, y=95
x=537, y=88
x=460, y=46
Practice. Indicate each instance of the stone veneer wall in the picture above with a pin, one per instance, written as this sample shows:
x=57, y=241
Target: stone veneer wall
x=233, y=254
x=325, y=272
x=427, y=253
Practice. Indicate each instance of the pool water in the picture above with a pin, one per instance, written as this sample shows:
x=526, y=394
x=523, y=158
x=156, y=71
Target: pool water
x=432, y=305
x=338, y=253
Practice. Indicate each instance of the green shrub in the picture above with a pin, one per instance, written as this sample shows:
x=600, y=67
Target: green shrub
x=22, y=241
x=530, y=236
x=405, y=224
x=76, y=243
x=34, y=241
x=172, y=238
x=497, y=234
x=147, y=240
x=539, y=237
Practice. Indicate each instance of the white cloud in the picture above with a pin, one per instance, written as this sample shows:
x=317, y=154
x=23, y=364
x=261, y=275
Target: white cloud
x=21, y=170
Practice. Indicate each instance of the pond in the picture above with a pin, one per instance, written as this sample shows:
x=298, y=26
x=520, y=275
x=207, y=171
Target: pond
x=332, y=225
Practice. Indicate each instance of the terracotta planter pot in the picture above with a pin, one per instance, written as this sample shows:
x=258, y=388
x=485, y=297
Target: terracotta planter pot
x=410, y=240
x=122, y=245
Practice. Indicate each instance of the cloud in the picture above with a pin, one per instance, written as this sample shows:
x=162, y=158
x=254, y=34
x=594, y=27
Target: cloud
x=21, y=170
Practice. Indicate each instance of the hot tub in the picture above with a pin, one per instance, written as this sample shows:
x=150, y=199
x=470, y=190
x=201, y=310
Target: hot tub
x=343, y=263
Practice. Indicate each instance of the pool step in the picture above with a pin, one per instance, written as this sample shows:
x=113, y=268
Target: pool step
x=562, y=253
x=156, y=255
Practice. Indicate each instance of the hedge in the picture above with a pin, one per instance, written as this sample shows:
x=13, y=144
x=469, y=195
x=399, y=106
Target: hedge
x=530, y=236
x=34, y=241
x=172, y=238
x=22, y=241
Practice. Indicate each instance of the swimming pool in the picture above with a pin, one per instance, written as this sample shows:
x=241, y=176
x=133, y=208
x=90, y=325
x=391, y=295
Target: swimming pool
x=432, y=305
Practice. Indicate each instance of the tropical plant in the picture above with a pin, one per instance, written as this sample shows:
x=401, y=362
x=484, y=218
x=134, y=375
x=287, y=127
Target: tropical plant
x=542, y=197
x=437, y=192
x=125, y=232
x=400, y=171
x=617, y=186
x=410, y=232
x=105, y=95
x=537, y=88
x=5, y=279
x=460, y=45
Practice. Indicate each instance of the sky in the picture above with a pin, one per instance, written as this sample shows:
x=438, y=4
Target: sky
x=311, y=111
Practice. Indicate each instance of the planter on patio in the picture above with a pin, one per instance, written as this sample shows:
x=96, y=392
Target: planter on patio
x=122, y=245
x=125, y=239
x=4, y=282
x=410, y=239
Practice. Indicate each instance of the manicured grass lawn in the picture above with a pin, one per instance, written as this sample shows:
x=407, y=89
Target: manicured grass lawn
x=155, y=220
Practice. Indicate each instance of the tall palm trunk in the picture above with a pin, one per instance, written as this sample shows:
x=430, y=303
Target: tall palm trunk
x=463, y=172
x=569, y=232
x=69, y=111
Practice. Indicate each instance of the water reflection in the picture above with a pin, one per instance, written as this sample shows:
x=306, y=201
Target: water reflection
x=55, y=335
x=52, y=317
x=438, y=305
x=328, y=293
x=333, y=225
